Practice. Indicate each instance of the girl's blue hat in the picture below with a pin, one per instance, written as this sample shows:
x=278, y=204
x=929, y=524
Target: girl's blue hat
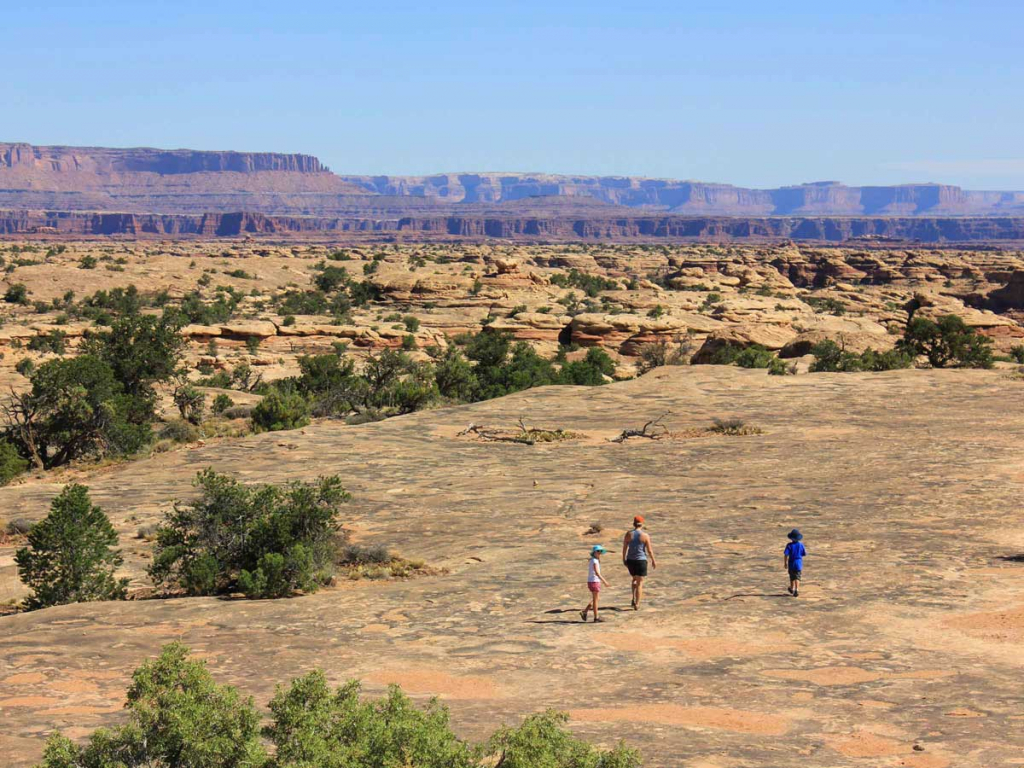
x=795, y=535
x=597, y=548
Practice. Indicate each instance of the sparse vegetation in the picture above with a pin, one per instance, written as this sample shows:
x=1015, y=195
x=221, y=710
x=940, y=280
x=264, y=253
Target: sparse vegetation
x=177, y=715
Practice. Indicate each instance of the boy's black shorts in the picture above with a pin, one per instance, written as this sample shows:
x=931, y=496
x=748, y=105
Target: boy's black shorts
x=637, y=567
x=795, y=575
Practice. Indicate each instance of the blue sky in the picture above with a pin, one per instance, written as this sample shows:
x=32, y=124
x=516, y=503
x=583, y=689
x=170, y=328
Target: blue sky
x=750, y=93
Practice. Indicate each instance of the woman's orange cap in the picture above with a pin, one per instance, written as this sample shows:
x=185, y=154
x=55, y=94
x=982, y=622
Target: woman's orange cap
x=638, y=519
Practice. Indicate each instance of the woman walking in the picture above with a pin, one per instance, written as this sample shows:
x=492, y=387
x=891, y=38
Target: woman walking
x=636, y=550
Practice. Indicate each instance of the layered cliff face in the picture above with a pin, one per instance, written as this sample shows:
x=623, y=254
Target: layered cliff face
x=699, y=198
x=545, y=228
x=167, y=181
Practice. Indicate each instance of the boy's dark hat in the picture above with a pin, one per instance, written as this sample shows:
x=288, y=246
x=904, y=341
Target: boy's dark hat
x=795, y=535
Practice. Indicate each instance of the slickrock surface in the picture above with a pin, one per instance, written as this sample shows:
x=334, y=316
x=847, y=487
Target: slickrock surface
x=904, y=648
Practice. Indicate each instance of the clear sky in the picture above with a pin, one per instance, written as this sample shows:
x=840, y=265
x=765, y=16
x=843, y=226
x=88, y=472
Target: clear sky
x=753, y=93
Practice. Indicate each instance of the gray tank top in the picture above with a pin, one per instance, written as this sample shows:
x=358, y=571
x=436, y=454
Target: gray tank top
x=637, y=549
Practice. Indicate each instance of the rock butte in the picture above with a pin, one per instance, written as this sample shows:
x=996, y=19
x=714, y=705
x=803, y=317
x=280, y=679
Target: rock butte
x=902, y=482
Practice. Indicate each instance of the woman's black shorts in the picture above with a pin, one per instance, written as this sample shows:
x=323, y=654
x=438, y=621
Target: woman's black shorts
x=637, y=567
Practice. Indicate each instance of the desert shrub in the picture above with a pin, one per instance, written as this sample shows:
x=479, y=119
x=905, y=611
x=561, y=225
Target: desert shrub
x=947, y=342
x=241, y=274
x=543, y=740
x=76, y=407
x=412, y=323
x=19, y=526
x=362, y=293
x=396, y=383
x=709, y=301
x=194, y=309
x=592, y=285
x=409, y=342
x=221, y=403
x=825, y=305
x=657, y=312
x=733, y=426
x=659, y=353
x=754, y=356
x=55, y=341
x=87, y=262
x=830, y=357
x=590, y=371
x=252, y=344
x=263, y=540
x=777, y=367
x=191, y=403
x=16, y=294
x=357, y=554
x=313, y=725
x=25, y=366
x=179, y=431
x=331, y=279
x=141, y=350
x=280, y=410
x=12, y=463
x=453, y=373
x=176, y=716
x=70, y=557
x=1017, y=353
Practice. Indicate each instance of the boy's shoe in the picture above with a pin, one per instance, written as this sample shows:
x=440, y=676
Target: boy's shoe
x=796, y=593
x=790, y=590
x=633, y=604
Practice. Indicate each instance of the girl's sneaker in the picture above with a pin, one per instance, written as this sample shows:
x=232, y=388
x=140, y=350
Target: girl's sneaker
x=583, y=615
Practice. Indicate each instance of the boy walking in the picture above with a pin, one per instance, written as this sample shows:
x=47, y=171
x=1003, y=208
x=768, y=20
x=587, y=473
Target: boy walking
x=793, y=560
x=594, y=581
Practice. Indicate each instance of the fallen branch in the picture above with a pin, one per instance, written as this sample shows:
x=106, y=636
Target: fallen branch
x=654, y=429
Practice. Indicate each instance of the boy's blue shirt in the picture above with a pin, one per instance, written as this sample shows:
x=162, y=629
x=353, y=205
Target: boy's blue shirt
x=795, y=551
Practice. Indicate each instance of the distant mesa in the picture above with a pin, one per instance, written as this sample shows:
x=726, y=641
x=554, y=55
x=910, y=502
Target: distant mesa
x=266, y=190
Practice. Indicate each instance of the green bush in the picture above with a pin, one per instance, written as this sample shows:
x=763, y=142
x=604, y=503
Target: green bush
x=543, y=740
x=590, y=371
x=948, y=342
x=592, y=285
x=825, y=305
x=412, y=323
x=754, y=356
x=453, y=373
x=12, y=463
x=331, y=279
x=221, y=403
x=16, y=294
x=1017, y=353
x=75, y=408
x=263, y=540
x=176, y=716
x=829, y=357
x=70, y=557
x=55, y=341
x=280, y=410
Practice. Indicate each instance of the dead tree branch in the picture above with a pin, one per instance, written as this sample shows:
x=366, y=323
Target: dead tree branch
x=654, y=429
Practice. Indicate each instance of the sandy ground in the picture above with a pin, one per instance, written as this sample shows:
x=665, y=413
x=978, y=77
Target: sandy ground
x=904, y=648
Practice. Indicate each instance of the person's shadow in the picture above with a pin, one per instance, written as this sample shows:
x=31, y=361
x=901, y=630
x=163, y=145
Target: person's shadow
x=575, y=612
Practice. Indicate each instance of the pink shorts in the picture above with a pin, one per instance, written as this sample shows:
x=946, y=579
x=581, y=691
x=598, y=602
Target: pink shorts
x=594, y=586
